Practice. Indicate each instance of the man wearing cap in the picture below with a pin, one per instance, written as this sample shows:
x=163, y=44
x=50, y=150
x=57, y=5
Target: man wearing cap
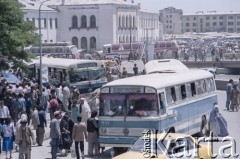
x=55, y=133
x=24, y=135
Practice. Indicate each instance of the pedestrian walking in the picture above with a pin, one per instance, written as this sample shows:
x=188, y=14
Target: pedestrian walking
x=65, y=134
x=78, y=134
x=92, y=129
x=229, y=92
x=74, y=110
x=35, y=118
x=66, y=96
x=8, y=137
x=235, y=97
x=40, y=131
x=135, y=70
x=217, y=123
x=124, y=73
x=53, y=106
x=4, y=112
x=84, y=109
x=24, y=135
x=55, y=134
x=28, y=106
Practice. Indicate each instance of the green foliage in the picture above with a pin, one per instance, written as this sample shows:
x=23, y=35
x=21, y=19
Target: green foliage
x=15, y=33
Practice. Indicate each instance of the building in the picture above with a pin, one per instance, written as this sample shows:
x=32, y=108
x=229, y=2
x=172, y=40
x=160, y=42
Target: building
x=171, y=18
x=90, y=24
x=211, y=22
x=49, y=20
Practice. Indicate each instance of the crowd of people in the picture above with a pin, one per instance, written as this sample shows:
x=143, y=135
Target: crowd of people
x=24, y=107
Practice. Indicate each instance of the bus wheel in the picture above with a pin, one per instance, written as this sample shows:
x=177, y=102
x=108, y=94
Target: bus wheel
x=119, y=150
x=171, y=130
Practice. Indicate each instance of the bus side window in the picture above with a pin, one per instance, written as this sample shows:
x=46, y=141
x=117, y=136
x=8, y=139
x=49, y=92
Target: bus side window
x=193, y=89
x=162, y=102
x=201, y=86
x=188, y=90
x=183, y=91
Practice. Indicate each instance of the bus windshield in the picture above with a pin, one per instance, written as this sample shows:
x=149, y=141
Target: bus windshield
x=85, y=75
x=128, y=105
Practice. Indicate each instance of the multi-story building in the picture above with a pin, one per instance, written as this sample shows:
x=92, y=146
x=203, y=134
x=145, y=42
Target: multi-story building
x=89, y=24
x=171, y=19
x=211, y=22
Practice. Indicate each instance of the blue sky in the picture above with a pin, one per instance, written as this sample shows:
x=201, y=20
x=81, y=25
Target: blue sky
x=191, y=6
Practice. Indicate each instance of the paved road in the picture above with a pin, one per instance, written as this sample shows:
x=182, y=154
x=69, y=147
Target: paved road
x=233, y=119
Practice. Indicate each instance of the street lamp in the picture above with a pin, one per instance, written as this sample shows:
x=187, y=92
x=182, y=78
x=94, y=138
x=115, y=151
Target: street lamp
x=40, y=43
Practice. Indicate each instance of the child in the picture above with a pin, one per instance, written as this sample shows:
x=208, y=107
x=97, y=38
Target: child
x=8, y=134
x=78, y=134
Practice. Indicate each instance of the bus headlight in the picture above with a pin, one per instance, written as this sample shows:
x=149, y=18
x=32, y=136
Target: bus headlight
x=103, y=131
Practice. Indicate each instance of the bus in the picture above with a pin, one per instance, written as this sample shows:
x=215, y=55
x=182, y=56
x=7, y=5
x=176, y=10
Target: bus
x=159, y=102
x=84, y=74
x=162, y=49
x=58, y=50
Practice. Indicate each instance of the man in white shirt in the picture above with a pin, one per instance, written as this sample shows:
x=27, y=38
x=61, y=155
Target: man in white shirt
x=4, y=112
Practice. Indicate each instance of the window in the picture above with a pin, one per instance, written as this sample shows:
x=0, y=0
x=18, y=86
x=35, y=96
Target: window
x=214, y=18
x=238, y=29
x=230, y=30
x=238, y=17
x=214, y=23
x=93, y=43
x=167, y=21
x=84, y=21
x=194, y=30
x=134, y=22
x=207, y=24
x=56, y=23
x=123, y=21
x=188, y=18
x=170, y=27
x=210, y=85
x=75, y=41
x=92, y=21
x=119, y=21
x=130, y=21
x=230, y=23
x=238, y=23
x=126, y=21
x=194, y=18
x=221, y=23
x=183, y=92
x=207, y=18
x=45, y=23
x=221, y=17
x=187, y=24
x=193, y=89
x=194, y=24
x=187, y=30
x=171, y=95
x=230, y=17
x=50, y=23
x=74, y=22
x=162, y=103
x=200, y=87
x=83, y=43
x=170, y=21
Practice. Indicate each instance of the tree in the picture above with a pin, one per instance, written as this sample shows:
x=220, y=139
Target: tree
x=15, y=33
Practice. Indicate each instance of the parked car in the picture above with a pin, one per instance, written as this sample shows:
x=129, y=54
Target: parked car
x=10, y=78
x=163, y=146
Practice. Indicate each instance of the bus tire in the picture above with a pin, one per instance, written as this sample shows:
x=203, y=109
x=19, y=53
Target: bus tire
x=172, y=130
x=119, y=150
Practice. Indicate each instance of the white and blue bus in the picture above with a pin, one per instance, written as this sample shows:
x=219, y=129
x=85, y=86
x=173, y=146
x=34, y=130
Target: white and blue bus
x=162, y=101
x=85, y=74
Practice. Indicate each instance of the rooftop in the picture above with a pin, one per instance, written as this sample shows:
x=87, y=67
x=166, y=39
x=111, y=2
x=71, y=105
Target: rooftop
x=211, y=13
x=34, y=5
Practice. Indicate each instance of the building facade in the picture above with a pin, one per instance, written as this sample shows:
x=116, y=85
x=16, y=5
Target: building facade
x=171, y=18
x=90, y=24
x=211, y=22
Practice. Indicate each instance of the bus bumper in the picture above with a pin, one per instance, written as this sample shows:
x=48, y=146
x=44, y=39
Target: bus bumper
x=116, y=141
